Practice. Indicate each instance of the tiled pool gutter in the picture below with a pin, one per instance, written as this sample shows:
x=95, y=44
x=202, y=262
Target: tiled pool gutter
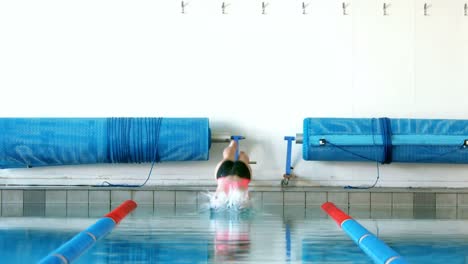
x=81, y=201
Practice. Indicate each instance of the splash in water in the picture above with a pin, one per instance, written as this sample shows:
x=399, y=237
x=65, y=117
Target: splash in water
x=235, y=199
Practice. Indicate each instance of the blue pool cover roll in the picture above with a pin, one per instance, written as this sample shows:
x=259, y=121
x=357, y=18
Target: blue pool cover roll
x=386, y=140
x=32, y=142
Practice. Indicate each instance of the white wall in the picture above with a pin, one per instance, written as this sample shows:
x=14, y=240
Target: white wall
x=251, y=74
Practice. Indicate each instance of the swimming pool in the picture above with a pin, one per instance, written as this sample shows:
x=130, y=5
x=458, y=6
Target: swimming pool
x=273, y=234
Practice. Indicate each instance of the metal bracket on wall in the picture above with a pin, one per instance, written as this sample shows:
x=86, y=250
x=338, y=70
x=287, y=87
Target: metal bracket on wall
x=223, y=8
x=264, y=6
x=385, y=8
x=344, y=6
x=426, y=7
x=183, y=5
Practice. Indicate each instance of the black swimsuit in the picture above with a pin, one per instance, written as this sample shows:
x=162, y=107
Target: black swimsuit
x=229, y=167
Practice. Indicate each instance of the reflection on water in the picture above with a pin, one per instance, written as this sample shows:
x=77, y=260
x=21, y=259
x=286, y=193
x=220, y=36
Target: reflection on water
x=231, y=234
x=261, y=235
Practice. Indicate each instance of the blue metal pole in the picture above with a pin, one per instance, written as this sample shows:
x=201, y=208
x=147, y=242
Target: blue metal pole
x=288, y=154
x=236, y=139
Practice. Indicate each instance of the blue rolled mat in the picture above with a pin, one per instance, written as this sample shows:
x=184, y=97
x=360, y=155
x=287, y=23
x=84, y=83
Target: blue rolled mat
x=385, y=140
x=32, y=142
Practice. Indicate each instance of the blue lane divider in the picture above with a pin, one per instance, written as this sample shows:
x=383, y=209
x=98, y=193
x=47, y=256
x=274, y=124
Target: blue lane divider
x=79, y=244
x=375, y=248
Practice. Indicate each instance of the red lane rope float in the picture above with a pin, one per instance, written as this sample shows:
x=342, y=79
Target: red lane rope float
x=122, y=211
x=336, y=214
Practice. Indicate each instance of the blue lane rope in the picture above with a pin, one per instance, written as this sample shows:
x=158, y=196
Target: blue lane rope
x=375, y=248
x=135, y=154
x=83, y=241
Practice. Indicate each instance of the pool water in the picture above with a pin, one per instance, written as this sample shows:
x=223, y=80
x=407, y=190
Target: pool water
x=266, y=235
